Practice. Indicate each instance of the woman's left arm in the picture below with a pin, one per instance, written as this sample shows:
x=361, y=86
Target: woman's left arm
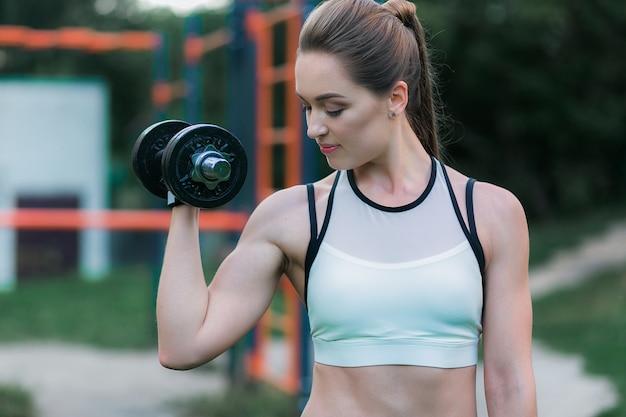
x=507, y=320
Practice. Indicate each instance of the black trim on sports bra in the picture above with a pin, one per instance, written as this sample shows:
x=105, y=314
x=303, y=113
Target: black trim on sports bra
x=470, y=234
x=478, y=249
x=316, y=239
x=469, y=201
x=420, y=199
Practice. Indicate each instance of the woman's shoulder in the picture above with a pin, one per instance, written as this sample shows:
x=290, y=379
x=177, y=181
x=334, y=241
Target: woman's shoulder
x=490, y=199
x=293, y=197
x=499, y=214
x=498, y=205
x=282, y=219
x=495, y=207
x=289, y=206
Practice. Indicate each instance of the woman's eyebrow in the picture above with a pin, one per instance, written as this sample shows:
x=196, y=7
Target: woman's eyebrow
x=323, y=97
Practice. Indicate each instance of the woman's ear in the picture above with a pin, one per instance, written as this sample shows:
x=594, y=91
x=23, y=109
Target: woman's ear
x=398, y=98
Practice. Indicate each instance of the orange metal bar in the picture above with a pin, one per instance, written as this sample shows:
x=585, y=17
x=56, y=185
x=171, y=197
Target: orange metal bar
x=215, y=40
x=161, y=94
x=74, y=38
x=141, y=220
x=196, y=46
x=13, y=35
x=293, y=120
x=257, y=26
x=165, y=92
x=40, y=39
x=292, y=328
x=193, y=49
x=136, y=40
x=283, y=13
x=279, y=74
x=102, y=42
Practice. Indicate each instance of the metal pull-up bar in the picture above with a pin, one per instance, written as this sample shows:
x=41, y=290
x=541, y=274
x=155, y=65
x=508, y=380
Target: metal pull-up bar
x=138, y=220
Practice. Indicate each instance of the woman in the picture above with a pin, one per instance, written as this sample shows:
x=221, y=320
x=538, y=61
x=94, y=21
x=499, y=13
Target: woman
x=403, y=263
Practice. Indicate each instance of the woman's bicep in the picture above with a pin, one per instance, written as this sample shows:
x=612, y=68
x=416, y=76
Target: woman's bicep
x=242, y=287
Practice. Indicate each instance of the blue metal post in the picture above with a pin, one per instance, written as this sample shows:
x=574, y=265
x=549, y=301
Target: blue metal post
x=241, y=114
x=192, y=76
x=241, y=122
x=160, y=73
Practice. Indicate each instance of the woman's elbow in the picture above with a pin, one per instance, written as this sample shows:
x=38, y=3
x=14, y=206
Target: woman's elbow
x=169, y=361
x=512, y=392
x=180, y=361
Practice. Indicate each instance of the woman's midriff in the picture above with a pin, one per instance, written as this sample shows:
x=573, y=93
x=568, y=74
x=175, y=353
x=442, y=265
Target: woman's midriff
x=392, y=391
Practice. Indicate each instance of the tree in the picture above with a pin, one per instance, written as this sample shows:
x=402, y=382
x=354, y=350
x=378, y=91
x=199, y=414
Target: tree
x=537, y=92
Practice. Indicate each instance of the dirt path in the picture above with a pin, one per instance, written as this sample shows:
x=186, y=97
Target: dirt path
x=74, y=381
x=570, y=267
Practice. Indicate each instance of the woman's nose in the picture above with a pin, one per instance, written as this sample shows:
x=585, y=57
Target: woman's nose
x=315, y=125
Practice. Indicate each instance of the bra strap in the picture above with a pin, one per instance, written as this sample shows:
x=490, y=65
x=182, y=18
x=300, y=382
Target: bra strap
x=474, y=241
x=316, y=239
x=312, y=212
x=470, y=234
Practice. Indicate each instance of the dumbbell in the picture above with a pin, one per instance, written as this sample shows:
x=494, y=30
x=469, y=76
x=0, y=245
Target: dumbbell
x=202, y=165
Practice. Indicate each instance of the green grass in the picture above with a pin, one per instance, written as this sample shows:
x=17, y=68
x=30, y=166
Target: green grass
x=590, y=320
x=115, y=312
x=563, y=232
x=245, y=400
x=16, y=401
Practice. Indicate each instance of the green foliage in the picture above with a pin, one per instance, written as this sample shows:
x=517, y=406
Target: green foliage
x=116, y=312
x=590, y=320
x=247, y=400
x=538, y=95
x=15, y=401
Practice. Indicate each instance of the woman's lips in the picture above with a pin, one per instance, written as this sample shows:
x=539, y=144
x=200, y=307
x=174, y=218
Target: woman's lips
x=328, y=149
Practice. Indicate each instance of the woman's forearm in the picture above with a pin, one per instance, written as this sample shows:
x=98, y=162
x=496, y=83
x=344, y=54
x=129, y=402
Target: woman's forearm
x=182, y=297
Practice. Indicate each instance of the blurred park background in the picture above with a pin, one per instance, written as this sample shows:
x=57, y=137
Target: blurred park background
x=534, y=94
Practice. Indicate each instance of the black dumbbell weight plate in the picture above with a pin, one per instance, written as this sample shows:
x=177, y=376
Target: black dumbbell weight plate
x=177, y=165
x=146, y=155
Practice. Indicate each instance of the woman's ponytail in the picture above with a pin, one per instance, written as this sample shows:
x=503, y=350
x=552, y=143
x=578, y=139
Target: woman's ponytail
x=422, y=112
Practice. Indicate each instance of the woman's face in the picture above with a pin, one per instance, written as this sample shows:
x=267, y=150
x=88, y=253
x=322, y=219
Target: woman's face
x=348, y=122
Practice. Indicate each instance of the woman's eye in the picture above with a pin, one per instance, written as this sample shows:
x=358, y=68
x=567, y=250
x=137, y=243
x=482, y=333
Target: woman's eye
x=330, y=113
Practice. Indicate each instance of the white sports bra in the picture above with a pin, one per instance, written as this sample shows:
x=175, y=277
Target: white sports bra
x=394, y=285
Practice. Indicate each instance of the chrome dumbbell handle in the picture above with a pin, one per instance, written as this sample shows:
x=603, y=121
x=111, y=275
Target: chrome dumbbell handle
x=210, y=167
